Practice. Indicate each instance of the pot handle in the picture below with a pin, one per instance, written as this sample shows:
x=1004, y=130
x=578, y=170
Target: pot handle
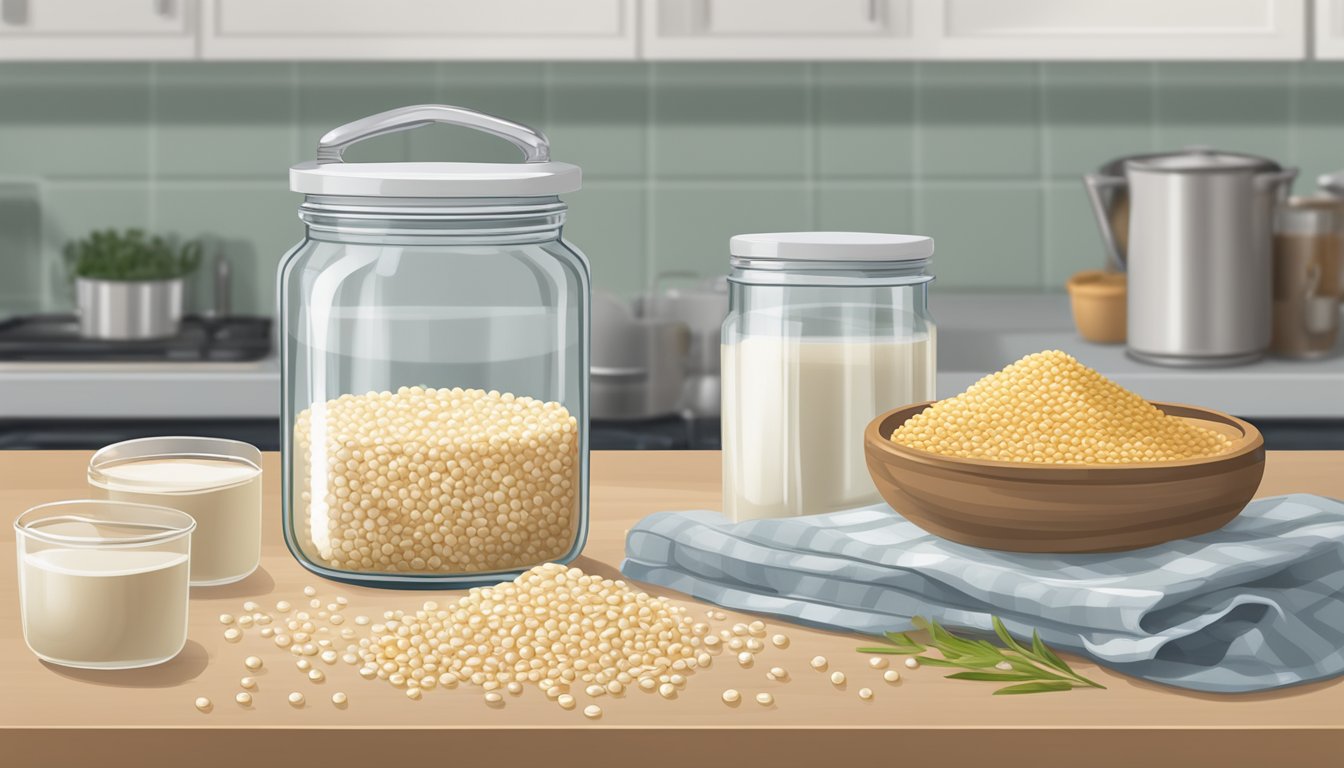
x=532, y=143
x=1095, y=184
x=1282, y=179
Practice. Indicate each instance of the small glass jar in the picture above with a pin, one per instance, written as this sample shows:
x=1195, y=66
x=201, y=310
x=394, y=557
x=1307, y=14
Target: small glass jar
x=825, y=331
x=1308, y=276
x=216, y=481
x=104, y=584
x=434, y=363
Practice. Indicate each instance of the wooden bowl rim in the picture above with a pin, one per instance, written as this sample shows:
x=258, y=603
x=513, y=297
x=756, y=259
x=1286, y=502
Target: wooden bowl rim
x=877, y=438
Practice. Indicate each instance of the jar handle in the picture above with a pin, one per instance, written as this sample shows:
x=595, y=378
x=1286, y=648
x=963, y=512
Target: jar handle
x=331, y=147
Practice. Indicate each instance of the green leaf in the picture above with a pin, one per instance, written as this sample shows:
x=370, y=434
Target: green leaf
x=885, y=649
x=1049, y=656
x=903, y=640
x=999, y=677
x=1038, y=668
x=1048, y=686
x=1007, y=638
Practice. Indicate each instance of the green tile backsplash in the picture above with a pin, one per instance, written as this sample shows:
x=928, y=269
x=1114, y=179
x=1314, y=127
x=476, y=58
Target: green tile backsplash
x=677, y=157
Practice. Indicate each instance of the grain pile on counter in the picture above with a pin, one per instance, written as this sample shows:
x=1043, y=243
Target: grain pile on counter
x=577, y=639
x=555, y=627
x=426, y=480
x=1048, y=408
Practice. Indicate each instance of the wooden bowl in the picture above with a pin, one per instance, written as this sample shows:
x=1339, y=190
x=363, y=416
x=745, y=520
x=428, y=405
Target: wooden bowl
x=1065, y=508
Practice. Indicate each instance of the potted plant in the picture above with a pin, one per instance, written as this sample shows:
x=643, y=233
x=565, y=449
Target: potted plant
x=129, y=286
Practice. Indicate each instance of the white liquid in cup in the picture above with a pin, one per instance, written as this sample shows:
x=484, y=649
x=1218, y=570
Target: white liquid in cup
x=105, y=608
x=222, y=494
x=794, y=413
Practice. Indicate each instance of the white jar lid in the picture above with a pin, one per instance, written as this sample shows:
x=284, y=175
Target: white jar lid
x=831, y=246
x=435, y=179
x=536, y=176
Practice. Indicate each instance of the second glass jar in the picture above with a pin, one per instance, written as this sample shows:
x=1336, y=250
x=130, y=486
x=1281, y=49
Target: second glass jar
x=825, y=331
x=435, y=357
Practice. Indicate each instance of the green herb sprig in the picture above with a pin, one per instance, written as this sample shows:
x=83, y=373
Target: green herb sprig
x=1031, y=670
x=130, y=255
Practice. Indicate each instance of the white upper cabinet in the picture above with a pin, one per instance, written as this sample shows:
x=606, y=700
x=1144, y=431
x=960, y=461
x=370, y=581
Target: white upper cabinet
x=97, y=29
x=419, y=29
x=1329, y=25
x=776, y=29
x=629, y=30
x=1113, y=29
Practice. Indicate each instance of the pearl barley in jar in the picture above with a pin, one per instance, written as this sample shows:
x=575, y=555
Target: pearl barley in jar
x=434, y=362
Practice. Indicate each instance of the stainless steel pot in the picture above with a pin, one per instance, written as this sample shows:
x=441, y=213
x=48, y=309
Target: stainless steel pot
x=1197, y=250
x=129, y=309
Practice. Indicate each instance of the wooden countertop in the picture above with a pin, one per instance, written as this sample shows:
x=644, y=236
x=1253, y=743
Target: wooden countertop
x=50, y=716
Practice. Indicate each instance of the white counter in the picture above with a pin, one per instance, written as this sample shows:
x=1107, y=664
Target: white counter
x=978, y=334
x=33, y=390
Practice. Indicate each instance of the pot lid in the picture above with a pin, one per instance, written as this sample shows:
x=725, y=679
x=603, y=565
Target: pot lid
x=831, y=246
x=536, y=176
x=1200, y=161
x=1118, y=166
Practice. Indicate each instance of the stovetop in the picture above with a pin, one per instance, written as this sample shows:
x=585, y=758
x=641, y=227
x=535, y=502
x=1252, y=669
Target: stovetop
x=55, y=337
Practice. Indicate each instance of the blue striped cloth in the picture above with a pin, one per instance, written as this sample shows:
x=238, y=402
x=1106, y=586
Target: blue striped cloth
x=1256, y=605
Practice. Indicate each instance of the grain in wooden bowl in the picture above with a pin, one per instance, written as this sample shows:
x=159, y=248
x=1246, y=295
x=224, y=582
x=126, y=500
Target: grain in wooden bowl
x=1026, y=492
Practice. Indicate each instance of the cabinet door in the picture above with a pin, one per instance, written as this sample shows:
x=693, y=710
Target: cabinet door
x=1329, y=23
x=776, y=29
x=419, y=29
x=1105, y=29
x=97, y=29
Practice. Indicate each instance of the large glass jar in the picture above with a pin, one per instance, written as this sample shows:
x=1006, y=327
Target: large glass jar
x=434, y=359
x=825, y=331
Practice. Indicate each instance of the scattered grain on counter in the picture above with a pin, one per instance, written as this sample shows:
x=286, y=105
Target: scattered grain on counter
x=778, y=673
x=233, y=634
x=912, y=663
x=780, y=641
x=248, y=682
x=283, y=606
x=437, y=480
x=251, y=606
x=565, y=700
x=878, y=662
x=837, y=678
x=866, y=694
x=818, y=663
x=592, y=711
x=339, y=699
x=316, y=675
x=203, y=704
x=296, y=699
x=226, y=618
x=745, y=659
x=765, y=699
x=1050, y=408
x=243, y=698
x=891, y=676
x=731, y=696
x=310, y=591
x=252, y=662
x=553, y=626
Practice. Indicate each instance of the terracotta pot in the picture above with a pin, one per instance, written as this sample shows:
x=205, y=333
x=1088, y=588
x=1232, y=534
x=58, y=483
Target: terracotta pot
x=1098, y=300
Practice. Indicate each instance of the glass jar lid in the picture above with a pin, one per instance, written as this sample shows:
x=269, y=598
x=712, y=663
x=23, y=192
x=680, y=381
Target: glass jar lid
x=536, y=176
x=874, y=247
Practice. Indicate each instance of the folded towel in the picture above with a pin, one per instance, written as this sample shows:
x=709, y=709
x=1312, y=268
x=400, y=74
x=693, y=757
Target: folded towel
x=1255, y=605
